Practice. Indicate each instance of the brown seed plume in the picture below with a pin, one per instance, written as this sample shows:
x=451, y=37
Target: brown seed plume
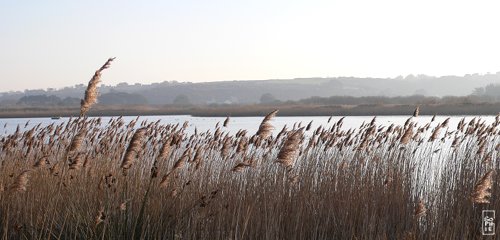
x=435, y=133
x=55, y=169
x=133, y=148
x=309, y=126
x=242, y=145
x=165, y=149
x=182, y=161
x=240, y=167
x=226, y=148
x=290, y=148
x=77, y=141
x=416, y=112
x=445, y=123
x=77, y=162
x=43, y=161
x=20, y=183
x=482, y=192
x=407, y=135
x=226, y=122
x=197, y=155
x=265, y=127
x=90, y=97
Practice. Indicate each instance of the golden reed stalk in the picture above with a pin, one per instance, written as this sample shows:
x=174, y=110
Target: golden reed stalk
x=91, y=93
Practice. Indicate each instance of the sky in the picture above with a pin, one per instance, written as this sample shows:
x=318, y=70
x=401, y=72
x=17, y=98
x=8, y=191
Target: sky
x=52, y=44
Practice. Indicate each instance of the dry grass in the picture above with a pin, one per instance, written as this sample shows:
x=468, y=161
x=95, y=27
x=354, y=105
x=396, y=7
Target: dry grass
x=65, y=181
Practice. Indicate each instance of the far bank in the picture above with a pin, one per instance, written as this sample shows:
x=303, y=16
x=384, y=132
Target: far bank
x=256, y=110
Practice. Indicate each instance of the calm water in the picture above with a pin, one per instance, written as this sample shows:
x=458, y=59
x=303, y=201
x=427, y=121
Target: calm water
x=251, y=124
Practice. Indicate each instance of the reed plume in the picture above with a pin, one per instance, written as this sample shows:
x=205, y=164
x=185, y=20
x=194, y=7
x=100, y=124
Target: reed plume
x=182, y=161
x=445, y=123
x=435, y=133
x=265, y=127
x=416, y=112
x=240, y=167
x=20, y=183
x=91, y=93
x=133, y=148
x=242, y=145
x=407, y=135
x=309, y=126
x=197, y=155
x=43, y=161
x=482, y=189
x=165, y=149
x=77, y=162
x=77, y=141
x=288, y=152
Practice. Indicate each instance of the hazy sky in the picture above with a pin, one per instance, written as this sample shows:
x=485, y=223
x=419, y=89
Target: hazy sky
x=61, y=43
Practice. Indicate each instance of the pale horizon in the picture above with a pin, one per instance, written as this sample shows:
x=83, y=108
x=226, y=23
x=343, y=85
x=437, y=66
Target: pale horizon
x=105, y=83
x=58, y=44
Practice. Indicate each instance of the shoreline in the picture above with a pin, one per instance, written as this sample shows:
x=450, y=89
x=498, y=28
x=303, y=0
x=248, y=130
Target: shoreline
x=257, y=110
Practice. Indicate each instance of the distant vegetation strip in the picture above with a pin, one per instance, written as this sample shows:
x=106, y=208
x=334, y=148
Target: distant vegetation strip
x=258, y=110
x=484, y=87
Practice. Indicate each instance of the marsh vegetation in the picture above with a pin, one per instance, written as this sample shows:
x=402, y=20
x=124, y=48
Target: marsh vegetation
x=85, y=178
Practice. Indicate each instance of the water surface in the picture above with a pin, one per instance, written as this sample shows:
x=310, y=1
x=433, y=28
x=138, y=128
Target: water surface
x=251, y=124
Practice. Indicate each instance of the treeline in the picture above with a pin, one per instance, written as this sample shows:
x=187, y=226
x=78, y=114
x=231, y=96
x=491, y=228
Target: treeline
x=111, y=98
x=487, y=94
x=44, y=100
x=126, y=99
x=407, y=100
x=257, y=91
x=490, y=92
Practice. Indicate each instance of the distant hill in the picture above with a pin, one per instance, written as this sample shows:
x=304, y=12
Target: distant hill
x=244, y=92
x=122, y=98
x=45, y=101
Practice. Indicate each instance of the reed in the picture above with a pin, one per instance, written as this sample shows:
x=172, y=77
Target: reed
x=90, y=97
x=265, y=127
x=482, y=190
x=21, y=182
x=415, y=180
x=371, y=182
x=133, y=149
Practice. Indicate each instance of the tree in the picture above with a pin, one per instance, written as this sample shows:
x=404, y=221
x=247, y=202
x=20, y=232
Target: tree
x=267, y=98
x=39, y=100
x=182, y=99
x=122, y=98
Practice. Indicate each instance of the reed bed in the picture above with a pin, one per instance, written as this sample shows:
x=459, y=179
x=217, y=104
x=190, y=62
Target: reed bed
x=89, y=179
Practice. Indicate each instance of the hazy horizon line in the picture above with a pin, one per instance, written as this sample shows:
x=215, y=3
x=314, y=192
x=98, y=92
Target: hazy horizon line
x=398, y=77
